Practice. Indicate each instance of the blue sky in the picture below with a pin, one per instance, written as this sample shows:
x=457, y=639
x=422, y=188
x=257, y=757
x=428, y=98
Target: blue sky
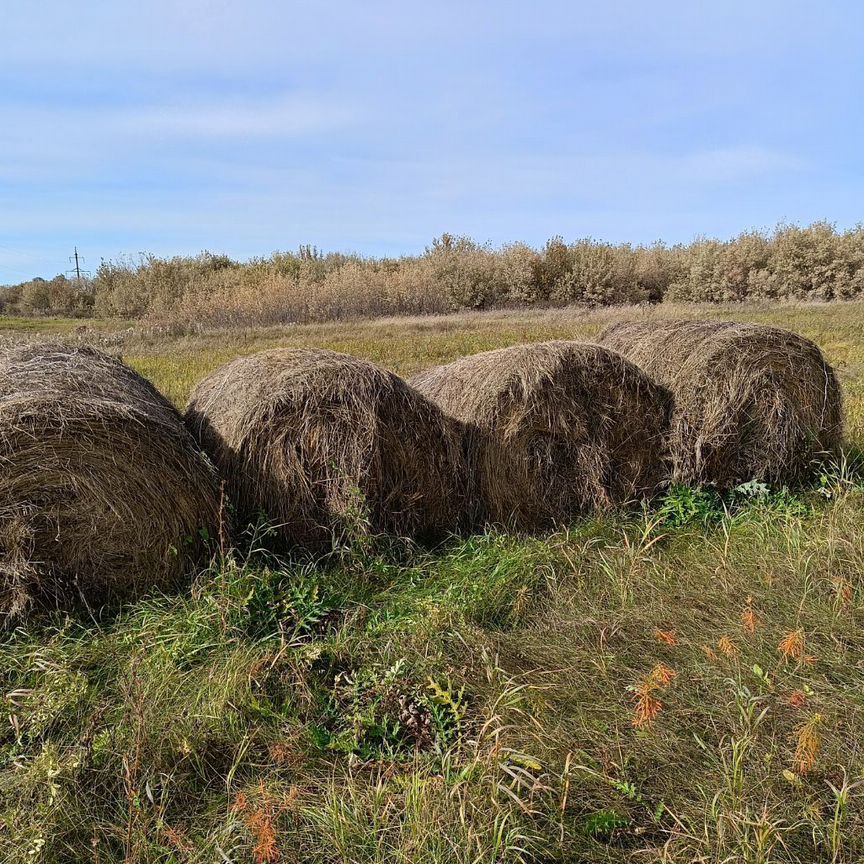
x=373, y=127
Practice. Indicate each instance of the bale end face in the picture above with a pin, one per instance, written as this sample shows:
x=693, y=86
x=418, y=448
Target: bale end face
x=103, y=493
x=751, y=402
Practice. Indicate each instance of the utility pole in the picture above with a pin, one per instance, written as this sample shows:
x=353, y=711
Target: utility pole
x=78, y=260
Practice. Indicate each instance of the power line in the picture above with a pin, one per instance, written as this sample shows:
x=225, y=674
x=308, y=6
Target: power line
x=78, y=261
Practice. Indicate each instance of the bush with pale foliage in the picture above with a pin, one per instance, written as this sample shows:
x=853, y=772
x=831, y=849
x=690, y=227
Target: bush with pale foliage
x=817, y=262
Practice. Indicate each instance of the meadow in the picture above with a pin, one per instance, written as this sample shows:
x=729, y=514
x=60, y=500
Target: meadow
x=679, y=683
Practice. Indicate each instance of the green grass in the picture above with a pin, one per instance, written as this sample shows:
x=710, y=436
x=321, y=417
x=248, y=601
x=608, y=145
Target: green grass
x=471, y=704
x=474, y=703
x=48, y=326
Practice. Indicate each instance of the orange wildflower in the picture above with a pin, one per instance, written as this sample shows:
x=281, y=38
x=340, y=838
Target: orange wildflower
x=647, y=708
x=792, y=646
x=667, y=637
x=749, y=617
x=282, y=754
x=177, y=838
x=797, y=699
x=807, y=745
x=726, y=646
x=260, y=822
x=661, y=676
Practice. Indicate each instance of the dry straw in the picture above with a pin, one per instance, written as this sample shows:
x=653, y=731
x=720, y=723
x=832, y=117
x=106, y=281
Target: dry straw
x=103, y=492
x=751, y=402
x=554, y=429
x=329, y=448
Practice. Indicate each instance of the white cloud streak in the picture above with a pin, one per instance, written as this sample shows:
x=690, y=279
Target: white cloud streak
x=290, y=117
x=731, y=164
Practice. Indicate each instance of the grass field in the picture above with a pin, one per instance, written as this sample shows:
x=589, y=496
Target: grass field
x=679, y=684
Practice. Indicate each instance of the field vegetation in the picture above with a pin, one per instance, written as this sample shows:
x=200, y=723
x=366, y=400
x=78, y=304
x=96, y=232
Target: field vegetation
x=816, y=262
x=680, y=683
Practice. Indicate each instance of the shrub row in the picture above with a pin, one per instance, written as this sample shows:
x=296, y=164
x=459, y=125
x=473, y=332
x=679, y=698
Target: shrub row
x=455, y=273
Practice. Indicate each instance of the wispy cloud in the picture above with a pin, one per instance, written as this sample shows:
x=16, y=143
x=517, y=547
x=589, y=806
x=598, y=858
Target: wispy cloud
x=732, y=164
x=44, y=143
x=287, y=117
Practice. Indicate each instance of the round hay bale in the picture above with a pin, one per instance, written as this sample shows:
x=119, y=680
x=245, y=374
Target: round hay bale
x=329, y=448
x=751, y=402
x=555, y=429
x=103, y=492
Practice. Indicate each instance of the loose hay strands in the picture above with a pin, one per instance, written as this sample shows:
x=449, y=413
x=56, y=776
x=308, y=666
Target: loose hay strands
x=103, y=492
x=329, y=447
x=555, y=429
x=751, y=402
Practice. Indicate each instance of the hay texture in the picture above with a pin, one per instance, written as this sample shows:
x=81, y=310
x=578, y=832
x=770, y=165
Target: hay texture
x=554, y=429
x=103, y=492
x=751, y=402
x=329, y=449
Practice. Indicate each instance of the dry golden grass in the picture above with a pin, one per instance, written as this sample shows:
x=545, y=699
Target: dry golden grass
x=407, y=345
x=176, y=362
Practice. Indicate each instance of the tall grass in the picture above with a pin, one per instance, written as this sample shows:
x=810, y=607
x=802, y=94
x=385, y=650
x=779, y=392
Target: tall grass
x=455, y=273
x=649, y=688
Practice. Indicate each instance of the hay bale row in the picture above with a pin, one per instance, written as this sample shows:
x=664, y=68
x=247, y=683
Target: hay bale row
x=553, y=430
x=325, y=445
x=751, y=402
x=103, y=492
